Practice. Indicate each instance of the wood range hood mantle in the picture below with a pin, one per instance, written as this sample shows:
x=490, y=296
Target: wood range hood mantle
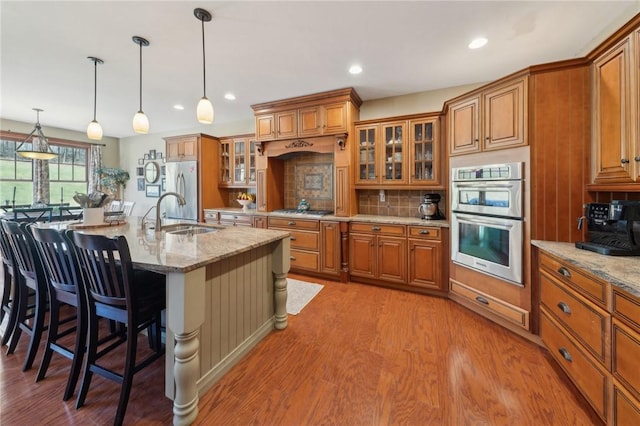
x=319, y=144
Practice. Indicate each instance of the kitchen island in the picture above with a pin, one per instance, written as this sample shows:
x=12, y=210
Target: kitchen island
x=226, y=290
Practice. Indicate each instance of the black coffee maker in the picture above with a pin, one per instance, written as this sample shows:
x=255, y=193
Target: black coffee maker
x=429, y=208
x=613, y=228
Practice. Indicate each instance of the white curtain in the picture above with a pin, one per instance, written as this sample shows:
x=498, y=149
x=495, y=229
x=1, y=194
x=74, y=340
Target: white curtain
x=94, y=165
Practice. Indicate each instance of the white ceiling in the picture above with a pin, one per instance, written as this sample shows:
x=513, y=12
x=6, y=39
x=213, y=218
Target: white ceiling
x=269, y=50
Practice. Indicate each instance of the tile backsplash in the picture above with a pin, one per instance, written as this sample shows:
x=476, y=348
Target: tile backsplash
x=402, y=203
x=309, y=176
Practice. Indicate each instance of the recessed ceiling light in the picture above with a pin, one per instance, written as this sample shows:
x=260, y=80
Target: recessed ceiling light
x=230, y=97
x=178, y=107
x=477, y=43
x=355, y=69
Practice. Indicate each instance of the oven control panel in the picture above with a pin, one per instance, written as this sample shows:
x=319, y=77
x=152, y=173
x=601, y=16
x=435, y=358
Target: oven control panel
x=507, y=171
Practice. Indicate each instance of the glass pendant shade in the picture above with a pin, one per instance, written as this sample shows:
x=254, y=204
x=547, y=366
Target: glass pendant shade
x=140, y=123
x=205, y=111
x=94, y=131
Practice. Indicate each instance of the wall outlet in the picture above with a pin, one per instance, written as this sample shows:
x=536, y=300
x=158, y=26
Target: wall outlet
x=382, y=196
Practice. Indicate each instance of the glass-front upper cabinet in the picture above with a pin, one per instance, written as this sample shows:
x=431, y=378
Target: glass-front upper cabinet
x=367, y=138
x=424, y=134
x=225, y=167
x=251, y=179
x=394, y=153
x=238, y=162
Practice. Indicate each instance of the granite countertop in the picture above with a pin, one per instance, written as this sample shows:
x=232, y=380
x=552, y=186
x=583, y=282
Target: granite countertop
x=396, y=220
x=620, y=271
x=165, y=252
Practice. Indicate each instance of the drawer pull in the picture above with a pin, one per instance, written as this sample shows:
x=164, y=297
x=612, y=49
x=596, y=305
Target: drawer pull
x=565, y=354
x=424, y=232
x=375, y=228
x=292, y=258
x=564, y=271
x=292, y=238
x=482, y=300
x=235, y=217
x=292, y=223
x=564, y=308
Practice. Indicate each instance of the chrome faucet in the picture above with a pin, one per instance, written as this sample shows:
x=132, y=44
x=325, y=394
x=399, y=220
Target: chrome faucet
x=181, y=201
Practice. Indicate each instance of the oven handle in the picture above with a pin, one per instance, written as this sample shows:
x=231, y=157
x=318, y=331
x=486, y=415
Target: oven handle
x=483, y=185
x=484, y=220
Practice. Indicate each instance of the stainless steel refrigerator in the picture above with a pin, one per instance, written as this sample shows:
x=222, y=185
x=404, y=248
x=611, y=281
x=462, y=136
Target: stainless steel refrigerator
x=182, y=177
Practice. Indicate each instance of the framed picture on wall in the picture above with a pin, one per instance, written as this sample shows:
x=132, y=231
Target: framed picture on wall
x=153, y=191
x=146, y=156
x=152, y=154
x=139, y=171
x=159, y=155
x=164, y=184
x=140, y=161
x=140, y=184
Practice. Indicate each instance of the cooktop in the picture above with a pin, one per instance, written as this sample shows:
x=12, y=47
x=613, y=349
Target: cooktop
x=308, y=212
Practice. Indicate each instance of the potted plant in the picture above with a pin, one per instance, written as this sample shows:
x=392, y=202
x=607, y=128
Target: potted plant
x=111, y=178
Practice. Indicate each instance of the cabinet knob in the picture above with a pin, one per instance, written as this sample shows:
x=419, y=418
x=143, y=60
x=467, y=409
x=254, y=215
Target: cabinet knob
x=291, y=223
x=487, y=138
x=637, y=158
x=375, y=228
x=476, y=140
x=292, y=258
x=564, y=271
x=424, y=232
x=292, y=238
x=624, y=160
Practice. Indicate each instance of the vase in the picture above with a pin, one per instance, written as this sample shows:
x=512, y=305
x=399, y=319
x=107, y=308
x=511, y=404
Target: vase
x=93, y=216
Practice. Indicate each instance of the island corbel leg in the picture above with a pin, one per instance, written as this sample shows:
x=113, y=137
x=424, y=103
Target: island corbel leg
x=281, y=265
x=185, y=315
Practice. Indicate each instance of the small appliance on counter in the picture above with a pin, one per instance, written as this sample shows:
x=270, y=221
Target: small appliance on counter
x=429, y=208
x=612, y=229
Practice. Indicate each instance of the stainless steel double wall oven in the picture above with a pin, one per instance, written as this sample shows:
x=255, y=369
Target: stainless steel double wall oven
x=487, y=219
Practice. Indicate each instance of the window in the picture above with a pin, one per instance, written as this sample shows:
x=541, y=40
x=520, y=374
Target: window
x=68, y=172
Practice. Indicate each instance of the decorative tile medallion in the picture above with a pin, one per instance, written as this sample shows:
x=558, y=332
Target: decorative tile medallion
x=314, y=181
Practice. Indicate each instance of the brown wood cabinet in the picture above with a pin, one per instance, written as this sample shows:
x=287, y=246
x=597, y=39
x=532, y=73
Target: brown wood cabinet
x=398, y=152
x=226, y=218
x=205, y=150
x=425, y=257
x=182, y=148
x=330, y=247
x=322, y=119
x=592, y=329
x=238, y=161
x=615, y=156
x=489, y=120
x=378, y=251
x=305, y=242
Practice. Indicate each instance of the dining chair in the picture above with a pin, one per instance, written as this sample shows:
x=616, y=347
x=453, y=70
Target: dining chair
x=31, y=283
x=8, y=306
x=127, y=207
x=59, y=262
x=117, y=292
x=115, y=206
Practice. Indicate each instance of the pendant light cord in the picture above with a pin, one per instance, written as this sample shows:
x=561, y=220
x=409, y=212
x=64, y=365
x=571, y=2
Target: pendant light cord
x=204, y=62
x=140, y=43
x=95, y=88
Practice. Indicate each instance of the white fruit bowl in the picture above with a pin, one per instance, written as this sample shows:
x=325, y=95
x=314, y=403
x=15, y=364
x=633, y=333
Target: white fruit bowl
x=245, y=204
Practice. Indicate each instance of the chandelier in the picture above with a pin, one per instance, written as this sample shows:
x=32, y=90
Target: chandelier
x=40, y=149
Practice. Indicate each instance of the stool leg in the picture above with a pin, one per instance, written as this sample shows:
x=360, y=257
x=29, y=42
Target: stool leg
x=36, y=334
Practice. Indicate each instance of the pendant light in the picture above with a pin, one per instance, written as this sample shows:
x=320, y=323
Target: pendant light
x=94, y=130
x=40, y=149
x=205, y=108
x=140, y=121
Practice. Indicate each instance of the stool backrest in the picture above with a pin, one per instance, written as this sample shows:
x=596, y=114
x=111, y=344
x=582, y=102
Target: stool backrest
x=58, y=258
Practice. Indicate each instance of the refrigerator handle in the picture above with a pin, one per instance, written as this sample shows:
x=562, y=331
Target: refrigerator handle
x=177, y=183
x=183, y=185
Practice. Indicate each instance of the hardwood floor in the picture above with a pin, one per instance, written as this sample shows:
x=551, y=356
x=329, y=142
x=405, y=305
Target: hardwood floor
x=356, y=355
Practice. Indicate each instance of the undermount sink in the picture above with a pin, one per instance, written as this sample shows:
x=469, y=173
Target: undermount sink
x=188, y=229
